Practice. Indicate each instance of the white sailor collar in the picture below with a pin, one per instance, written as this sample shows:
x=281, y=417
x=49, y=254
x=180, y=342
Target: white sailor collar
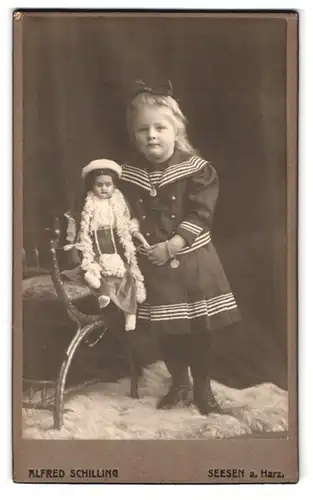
x=170, y=174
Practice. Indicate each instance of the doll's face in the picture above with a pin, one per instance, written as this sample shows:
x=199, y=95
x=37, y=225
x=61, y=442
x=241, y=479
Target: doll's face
x=154, y=133
x=103, y=187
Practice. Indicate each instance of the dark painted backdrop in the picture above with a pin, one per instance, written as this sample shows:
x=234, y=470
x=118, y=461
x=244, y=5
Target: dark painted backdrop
x=229, y=76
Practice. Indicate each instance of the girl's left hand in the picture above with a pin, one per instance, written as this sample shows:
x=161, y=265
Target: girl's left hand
x=158, y=254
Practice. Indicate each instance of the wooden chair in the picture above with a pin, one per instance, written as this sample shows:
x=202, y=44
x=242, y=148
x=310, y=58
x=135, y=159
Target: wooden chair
x=90, y=328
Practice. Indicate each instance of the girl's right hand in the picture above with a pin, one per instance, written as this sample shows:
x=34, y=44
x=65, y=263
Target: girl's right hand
x=158, y=254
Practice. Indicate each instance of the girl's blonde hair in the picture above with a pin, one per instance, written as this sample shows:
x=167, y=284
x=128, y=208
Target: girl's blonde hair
x=180, y=121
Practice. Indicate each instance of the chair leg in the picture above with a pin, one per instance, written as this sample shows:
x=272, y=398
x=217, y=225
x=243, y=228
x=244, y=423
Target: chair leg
x=134, y=367
x=59, y=396
x=134, y=376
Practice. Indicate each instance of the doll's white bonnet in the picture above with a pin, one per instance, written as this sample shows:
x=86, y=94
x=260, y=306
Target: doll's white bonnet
x=100, y=164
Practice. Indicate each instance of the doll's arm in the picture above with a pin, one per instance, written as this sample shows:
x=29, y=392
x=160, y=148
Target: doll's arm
x=140, y=237
x=133, y=224
x=71, y=228
x=74, y=257
x=135, y=232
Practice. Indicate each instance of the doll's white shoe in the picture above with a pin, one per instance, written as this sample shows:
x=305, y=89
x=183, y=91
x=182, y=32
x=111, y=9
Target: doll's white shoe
x=104, y=301
x=130, y=322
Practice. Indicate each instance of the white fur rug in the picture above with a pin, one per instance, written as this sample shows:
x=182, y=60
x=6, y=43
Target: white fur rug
x=105, y=411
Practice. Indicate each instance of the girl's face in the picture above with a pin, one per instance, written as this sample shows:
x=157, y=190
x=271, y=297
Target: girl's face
x=154, y=132
x=103, y=187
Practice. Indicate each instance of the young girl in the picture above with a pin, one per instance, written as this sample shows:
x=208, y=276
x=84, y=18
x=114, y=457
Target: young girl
x=109, y=262
x=173, y=192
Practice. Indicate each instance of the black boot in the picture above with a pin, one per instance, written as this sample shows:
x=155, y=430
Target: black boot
x=177, y=396
x=174, y=355
x=200, y=368
x=203, y=396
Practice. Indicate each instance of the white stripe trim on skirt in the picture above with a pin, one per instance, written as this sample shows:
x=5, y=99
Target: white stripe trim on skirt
x=204, y=307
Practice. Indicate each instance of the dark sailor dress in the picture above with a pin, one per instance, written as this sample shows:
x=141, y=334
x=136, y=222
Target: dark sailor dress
x=190, y=293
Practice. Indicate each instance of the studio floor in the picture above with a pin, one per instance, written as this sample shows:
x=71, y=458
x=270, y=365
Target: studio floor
x=106, y=411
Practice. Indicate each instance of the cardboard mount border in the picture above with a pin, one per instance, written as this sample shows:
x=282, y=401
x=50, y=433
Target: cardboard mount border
x=142, y=462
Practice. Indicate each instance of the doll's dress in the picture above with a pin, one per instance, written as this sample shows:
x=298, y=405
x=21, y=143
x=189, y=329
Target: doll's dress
x=122, y=291
x=105, y=240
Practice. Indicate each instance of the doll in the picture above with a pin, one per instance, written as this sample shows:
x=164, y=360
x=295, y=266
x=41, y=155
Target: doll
x=105, y=240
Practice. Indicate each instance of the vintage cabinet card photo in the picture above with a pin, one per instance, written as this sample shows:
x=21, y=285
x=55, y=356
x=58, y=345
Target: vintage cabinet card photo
x=155, y=241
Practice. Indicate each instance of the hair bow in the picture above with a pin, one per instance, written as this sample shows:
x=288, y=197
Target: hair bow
x=164, y=89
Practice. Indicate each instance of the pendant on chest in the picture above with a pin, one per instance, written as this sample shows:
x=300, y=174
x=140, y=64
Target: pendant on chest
x=174, y=263
x=153, y=192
